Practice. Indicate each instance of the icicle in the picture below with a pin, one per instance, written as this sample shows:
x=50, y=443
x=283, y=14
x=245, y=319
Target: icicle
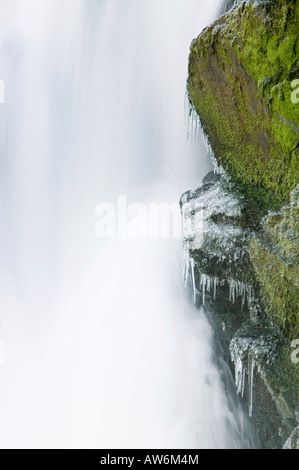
x=239, y=289
x=243, y=294
x=215, y=287
x=186, y=268
x=196, y=126
x=251, y=376
x=208, y=284
x=203, y=282
x=218, y=169
x=186, y=275
x=239, y=374
x=187, y=112
x=232, y=291
x=243, y=382
x=209, y=148
x=193, y=280
x=250, y=295
x=192, y=121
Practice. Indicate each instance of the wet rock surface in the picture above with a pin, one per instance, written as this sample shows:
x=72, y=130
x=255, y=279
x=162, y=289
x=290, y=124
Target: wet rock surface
x=219, y=227
x=241, y=233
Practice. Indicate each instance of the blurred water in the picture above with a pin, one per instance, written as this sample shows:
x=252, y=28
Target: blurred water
x=101, y=347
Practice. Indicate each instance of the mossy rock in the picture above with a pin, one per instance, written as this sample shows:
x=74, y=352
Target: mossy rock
x=274, y=254
x=241, y=71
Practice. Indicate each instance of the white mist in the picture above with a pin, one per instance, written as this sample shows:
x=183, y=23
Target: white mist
x=102, y=349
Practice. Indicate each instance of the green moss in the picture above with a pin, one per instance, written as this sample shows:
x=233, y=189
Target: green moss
x=275, y=256
x=280, y=286
x=283, y=230
x=284, y=376
x=240, y=74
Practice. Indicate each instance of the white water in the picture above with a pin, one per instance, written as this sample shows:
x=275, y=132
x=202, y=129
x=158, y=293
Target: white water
x=101, y=347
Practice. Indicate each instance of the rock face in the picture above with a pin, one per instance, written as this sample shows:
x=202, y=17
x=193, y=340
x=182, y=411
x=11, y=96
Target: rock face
x=241, y=228
x=274, y=253
x=241, y=73
x=228, y=4
x=218, y=270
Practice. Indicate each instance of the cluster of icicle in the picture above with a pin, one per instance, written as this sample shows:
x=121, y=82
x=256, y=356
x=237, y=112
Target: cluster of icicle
x=193, y=123
x=209, y=284
x=237, y=354
x=188, y=267
x=194, y=128
x=240, y=351
x=240, y=378
x=239, y=289
x=218, y=169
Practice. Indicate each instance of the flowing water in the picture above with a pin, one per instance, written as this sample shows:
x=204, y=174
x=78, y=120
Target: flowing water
x=102, y=349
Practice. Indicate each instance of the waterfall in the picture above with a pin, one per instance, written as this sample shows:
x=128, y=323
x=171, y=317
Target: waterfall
x=102, y=349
